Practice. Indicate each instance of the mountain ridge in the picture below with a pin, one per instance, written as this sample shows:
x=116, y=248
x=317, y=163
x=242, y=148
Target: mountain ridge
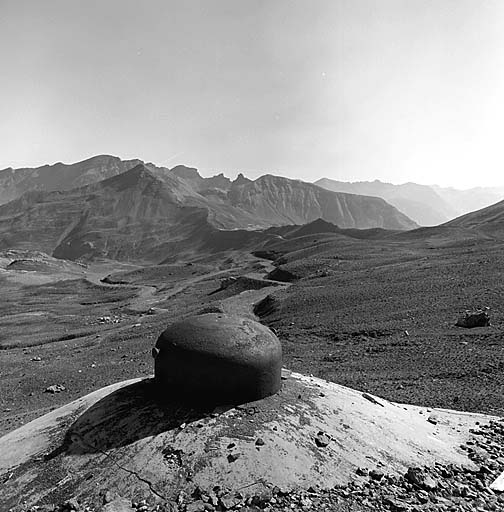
x=149, y=211
x=136, y=216
x=427, y=205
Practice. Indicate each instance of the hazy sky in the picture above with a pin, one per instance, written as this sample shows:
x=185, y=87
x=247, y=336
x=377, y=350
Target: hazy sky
x=399, y=90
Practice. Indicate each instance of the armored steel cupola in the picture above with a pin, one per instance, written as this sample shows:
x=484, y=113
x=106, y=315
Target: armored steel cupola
x=218, y=358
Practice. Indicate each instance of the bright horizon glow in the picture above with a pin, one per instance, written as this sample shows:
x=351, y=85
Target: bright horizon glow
x=351, y=90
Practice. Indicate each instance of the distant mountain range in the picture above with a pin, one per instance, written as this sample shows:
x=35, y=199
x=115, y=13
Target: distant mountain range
x=426, y=205
x=128, y=210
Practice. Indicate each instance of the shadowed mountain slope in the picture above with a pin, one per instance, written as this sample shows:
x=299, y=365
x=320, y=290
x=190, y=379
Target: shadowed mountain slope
x=277, y=200
x=130, y=216
x=156, y=213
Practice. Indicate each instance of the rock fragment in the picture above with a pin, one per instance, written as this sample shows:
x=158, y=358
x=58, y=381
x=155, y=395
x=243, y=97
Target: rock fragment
x=417, y=477
x=229, y=501
x=498, y=484
x=232, y=457
x=56, y=388
x=371, y=399
x=432, y=419
x=376, y=474
x=477, y=318
x=322, y=440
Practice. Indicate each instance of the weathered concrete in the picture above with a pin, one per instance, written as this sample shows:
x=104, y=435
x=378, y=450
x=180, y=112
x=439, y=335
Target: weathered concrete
x=218, y=358
x=120, y=439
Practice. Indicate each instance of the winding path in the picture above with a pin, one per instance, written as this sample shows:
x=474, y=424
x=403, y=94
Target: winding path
x=149, y=295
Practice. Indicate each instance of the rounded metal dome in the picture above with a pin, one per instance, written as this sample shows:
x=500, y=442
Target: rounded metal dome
x=218, y=358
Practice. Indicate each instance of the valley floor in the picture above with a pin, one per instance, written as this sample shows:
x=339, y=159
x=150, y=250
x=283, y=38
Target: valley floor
x=374, y=315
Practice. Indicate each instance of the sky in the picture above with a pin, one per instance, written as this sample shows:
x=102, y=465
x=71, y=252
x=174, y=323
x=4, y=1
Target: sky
x=353, y=90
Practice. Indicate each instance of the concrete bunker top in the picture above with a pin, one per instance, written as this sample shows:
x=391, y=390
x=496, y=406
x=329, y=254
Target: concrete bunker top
x=218, y=358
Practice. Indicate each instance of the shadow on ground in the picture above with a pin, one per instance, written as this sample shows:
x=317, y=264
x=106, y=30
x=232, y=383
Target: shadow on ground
x=125, y=416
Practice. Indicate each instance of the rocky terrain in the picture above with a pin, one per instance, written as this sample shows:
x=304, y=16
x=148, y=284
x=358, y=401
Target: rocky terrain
x=379, y=315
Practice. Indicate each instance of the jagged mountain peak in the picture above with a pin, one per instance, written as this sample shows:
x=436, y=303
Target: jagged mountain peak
x=241, y=180
x=133, y=177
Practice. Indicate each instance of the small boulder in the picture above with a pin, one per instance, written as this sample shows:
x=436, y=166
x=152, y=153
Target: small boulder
x=433, y=419
x=56, y=388
x=109, y=496
x=232, y=457
x=478, y=318
x=322, y=440
x=420, y=479
x=498, y=484
x=229, y=501
x=376, y=474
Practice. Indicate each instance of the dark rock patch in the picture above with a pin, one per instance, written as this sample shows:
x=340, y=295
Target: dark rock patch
x=267, y=306
x=478, y=318
x=283, y=275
